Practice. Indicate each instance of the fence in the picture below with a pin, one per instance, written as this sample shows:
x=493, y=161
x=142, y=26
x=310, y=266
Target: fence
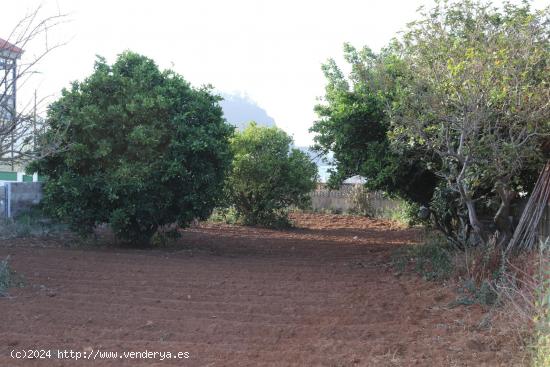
x=18, y=197
x=345, y=200
x=332, y=200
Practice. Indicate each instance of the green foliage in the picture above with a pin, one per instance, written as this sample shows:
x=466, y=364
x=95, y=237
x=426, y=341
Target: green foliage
x=451, y=113
x=353, y=125
x=470, y=293
x=449, y=215
x=165, y=237
x=142, y=149
x=432, y=260
x=267, y=176
x=32, y=223
x=8, y=277
x=405, y=212
x=473, y=96
x=361, y=203
x=224, y=215
x=399, y=210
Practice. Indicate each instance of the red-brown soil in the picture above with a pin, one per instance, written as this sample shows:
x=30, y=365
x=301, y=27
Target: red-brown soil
x=323, y=294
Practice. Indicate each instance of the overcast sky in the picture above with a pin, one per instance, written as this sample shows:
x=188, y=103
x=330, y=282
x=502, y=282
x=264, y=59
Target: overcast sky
x=270, y=50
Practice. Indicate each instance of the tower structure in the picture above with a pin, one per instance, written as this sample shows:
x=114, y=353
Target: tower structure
x=9, y=56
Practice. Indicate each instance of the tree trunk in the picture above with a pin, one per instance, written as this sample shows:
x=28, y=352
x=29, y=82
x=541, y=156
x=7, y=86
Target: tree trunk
x=477, y=226
x=502, y=216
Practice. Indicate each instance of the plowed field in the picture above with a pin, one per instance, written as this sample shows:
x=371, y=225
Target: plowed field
x=322, y=294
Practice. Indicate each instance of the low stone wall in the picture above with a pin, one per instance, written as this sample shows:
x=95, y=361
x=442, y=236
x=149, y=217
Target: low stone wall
x=20, y=197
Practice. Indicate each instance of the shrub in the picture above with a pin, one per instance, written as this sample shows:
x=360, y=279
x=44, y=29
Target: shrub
x=31, y=223
x=142, y=149
x=433, y=259
x=224, y=215
x=363, y=202
x=524, y=287
x=267, y=176
x=360, y=201
x=165, y=236
x=471, y=293
x=405, y=213
x=8, y=278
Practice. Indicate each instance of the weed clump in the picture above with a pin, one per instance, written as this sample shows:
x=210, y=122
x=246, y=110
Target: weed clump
x=31, y=223
x=8, y=278
x=432, y=260
x=5, y=276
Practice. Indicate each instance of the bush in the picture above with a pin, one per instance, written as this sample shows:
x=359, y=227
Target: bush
x=406, y=213
x=437, y=260
x=142, y=149
x=433, y=260
x=524, y=289
x=8, y=278
x=471, y=293
x=165, y=237
x=32, y=223
x=360, y=202
x=363, y=203
x=268, y=177
x=224, y=215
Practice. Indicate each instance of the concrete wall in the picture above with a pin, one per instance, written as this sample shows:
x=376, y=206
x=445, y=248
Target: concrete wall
x=20, y=197
x=341, y=200
x=332, y=200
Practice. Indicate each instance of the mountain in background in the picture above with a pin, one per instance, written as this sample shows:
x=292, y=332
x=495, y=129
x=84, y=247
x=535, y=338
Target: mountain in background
x=239, y=110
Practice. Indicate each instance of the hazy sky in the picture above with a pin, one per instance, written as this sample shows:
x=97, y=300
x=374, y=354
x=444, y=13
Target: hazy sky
x=270, y=50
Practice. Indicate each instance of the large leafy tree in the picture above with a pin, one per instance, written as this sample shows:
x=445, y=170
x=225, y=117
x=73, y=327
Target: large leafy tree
x=476, y=96
x=353, y=125
x=144, y=149
x=268, y=176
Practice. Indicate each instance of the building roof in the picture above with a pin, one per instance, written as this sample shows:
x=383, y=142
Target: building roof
x=356, y=180
x=5, y=45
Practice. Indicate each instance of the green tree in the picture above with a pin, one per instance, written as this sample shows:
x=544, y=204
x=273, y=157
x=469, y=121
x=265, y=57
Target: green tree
x=475, y=96
x=143, y=149
x=353, y=125
x=267, y=176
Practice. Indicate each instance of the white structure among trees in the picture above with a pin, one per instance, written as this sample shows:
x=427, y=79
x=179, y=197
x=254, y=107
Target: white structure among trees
x=9, y=55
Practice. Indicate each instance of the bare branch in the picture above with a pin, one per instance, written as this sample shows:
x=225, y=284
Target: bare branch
x=20, y=125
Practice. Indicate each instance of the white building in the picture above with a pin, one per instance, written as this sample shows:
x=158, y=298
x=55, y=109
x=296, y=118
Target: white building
x=9, y=57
